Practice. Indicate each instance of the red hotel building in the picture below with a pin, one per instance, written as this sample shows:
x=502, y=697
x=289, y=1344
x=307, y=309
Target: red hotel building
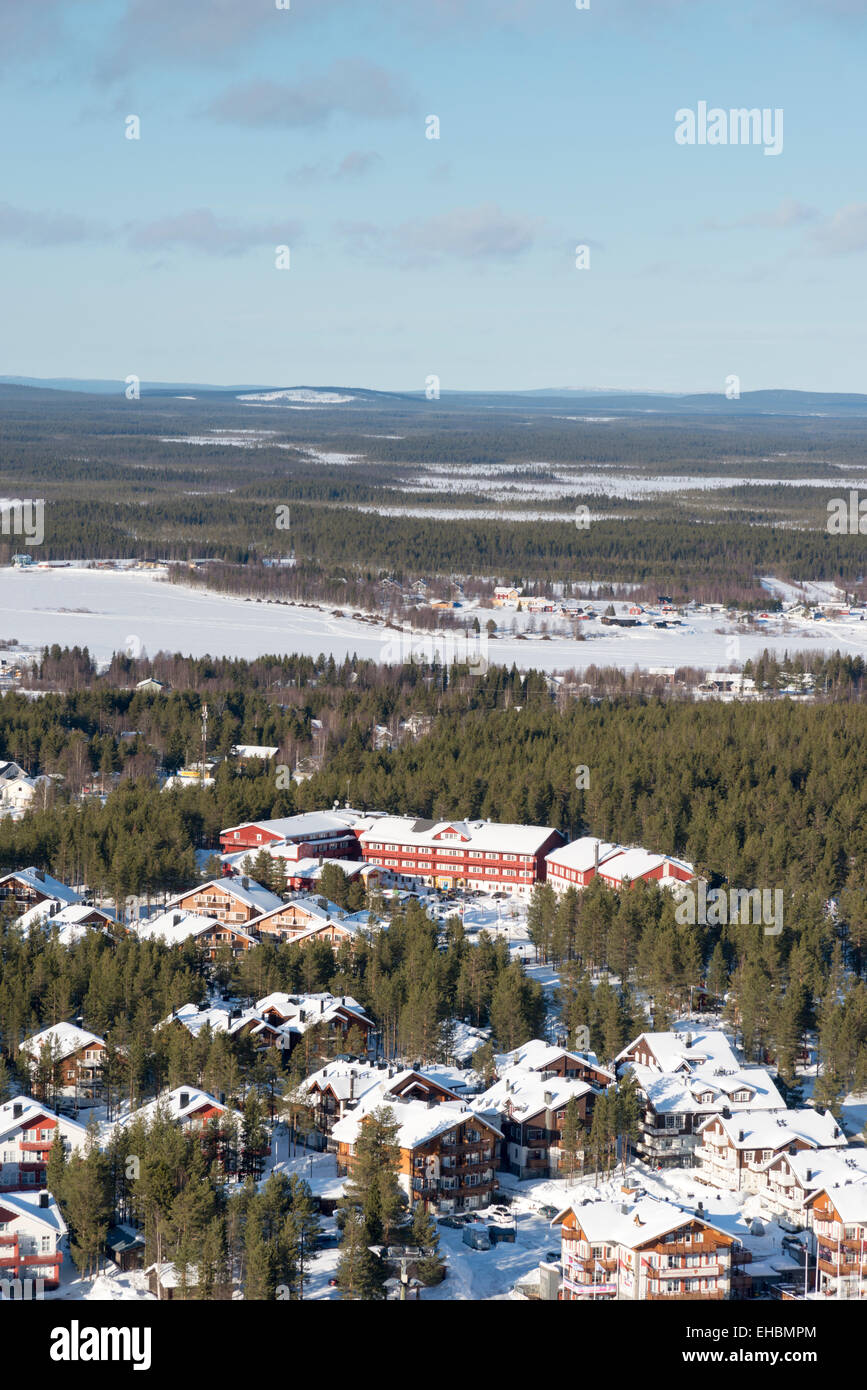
x=471, y=854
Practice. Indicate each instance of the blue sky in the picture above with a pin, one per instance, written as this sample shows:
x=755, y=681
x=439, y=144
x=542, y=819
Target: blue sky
x=410, y=257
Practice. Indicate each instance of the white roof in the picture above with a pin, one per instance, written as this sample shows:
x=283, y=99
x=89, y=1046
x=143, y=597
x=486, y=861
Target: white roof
x=522, y=1093
x=676, y=1051
x=32, y=1110
x=828, y=1167
x=299, y=827
x=254, y=750
x=25, y=1206
x=43, y=883
x=419, y=1122
x=169, y=1275
x=253, y=895
x=539, y=1055
x=303, y=1011
x=476, y=834
x=670, y=1092
x=581, y=854
x=632, y=864
x=630, y=1223
x=165, y=927
x=850, y=1201
x=169, y=1103
x=70, y=919
x=321, y=908
x=64, y=1038
x=768, y=1129
x=195, y=1019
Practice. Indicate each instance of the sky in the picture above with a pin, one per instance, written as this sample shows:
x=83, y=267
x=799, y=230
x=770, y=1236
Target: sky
x=305, y=124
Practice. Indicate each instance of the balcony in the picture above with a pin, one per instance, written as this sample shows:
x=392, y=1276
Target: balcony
x=700, y=1295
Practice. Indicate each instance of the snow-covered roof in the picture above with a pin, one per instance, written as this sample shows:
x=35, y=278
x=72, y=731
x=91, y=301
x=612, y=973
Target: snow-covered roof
x=303, y=1010
x=32, y=1111
x=300, y=826
x=321, y=908
x=539, y=1055
x=675, y=1051
x=175, y=927
x=523, y=1094
x=581, y=854
x=254, y=750
x=635, y=863
x=475, y=834
x=850, y=1200
x=682, y=1092
x=769, y=1129
x=42, y=882
x=169, y=1103
x=827, y=1167
x=65, y=1039
x=25, y=1206
x=252, y=894
x=169, y=1276
x=418, y=1121
x=70, y=919
x=630, y=1223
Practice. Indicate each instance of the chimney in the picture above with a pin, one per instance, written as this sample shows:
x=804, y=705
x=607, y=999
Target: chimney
x=352, y=1086
x=549, y=1098
x=322, y=1006
x=808, y=1174
x=40, y=874
x=184, y=1099
x=17, y=1110
x=740, y=1136
x=44, y=1200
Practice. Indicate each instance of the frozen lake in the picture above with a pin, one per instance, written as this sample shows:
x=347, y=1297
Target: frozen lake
x=105, y=610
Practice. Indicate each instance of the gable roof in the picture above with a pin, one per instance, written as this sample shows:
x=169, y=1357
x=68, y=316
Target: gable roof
x=418, y=1121
x=581, y=854
x=769, y=1129
x=479, y=834
x=676, y=1051
x=521, y=1094
x=32, y=1111
x=253, y=895
x=25, y=1206
x=64, y=1038
x=632, y=1223
x=42, y=882
x=165, y=927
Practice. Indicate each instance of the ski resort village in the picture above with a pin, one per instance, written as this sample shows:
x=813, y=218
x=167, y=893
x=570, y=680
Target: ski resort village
x=263, y=1094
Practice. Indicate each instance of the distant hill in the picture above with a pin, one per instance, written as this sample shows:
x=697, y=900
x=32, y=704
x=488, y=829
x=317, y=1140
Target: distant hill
x=607, y=402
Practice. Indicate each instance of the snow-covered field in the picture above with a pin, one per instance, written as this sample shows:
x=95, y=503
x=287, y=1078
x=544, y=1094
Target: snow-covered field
x=104, y=609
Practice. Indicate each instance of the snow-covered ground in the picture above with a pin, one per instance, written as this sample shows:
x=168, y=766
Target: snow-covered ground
x=106, y=610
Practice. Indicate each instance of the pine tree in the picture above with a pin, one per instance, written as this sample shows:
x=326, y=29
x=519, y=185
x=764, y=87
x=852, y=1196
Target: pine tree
x=373, y=1188
x=425, y=1237
x=360, y=1274
x=572, y=1136
x=55, y=1170
x=260, y=1256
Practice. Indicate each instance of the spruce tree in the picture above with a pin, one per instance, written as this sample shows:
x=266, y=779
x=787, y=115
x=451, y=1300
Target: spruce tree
x=361, y=1275
x=425, y=1237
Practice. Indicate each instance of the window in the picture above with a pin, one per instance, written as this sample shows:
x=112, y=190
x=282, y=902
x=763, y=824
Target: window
x=46, y=1245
